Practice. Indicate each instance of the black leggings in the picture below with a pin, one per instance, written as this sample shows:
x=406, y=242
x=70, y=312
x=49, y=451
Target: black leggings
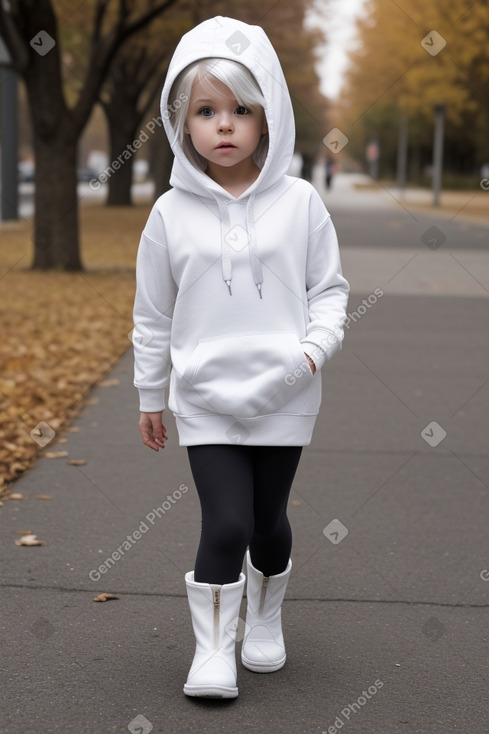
x=243, y=492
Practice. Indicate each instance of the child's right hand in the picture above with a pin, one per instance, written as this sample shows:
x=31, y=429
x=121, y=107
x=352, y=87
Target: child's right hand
x=152, y=430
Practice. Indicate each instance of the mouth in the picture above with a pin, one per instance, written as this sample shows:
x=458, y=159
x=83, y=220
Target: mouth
x=226, y=146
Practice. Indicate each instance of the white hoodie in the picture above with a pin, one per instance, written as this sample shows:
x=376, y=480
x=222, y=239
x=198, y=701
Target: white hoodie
x=231, y=292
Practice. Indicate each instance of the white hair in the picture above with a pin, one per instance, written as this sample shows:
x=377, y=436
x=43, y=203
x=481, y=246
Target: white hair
x=239, y=80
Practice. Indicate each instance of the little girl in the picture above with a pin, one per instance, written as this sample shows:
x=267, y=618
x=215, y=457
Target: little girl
x=240, y=301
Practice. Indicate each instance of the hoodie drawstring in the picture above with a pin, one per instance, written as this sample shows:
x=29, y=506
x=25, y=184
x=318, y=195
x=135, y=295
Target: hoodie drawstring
x=226, y=265
x=253, y=245
x=226, y=260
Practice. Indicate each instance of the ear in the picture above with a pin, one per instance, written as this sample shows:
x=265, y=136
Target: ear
x=186, y=130
x=264, y=128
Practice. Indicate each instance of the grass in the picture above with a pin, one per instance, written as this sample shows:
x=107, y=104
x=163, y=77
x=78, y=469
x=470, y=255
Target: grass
x=62, y=332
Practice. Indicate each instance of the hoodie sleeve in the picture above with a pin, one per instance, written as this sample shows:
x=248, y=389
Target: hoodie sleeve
x=152, y=314
x=327, y=289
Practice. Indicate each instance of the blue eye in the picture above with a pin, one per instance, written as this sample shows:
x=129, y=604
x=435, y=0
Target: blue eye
x=206, y=112
x=241, y=110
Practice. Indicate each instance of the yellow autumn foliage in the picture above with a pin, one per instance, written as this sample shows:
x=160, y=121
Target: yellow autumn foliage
x=418, y=53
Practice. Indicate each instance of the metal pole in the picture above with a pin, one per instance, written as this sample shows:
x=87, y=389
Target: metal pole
x=8, y=100
x=402, y=145
x=438, y=152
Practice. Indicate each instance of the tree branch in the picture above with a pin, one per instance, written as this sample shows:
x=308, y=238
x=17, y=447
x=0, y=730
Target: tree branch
x=146, y=18
x=151, y=95
x=99, y=18
x=102, y=53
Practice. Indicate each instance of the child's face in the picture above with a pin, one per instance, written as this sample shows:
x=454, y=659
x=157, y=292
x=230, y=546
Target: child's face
x=222, y=131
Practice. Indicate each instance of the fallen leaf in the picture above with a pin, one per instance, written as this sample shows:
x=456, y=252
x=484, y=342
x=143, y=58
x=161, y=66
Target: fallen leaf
x=24, y=532
x=42, y=497
x=62, y=440
x=76, y=462
x=1, y=503
x=92, y=401
x=61, y=340
x=109, y=383
x=15, y=496
x=29, y=540
x=18, y=466
x=296, y=502
x=105, y=597
x=55, y=454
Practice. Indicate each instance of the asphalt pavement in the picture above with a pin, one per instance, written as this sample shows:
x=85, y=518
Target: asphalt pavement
x=386, y=614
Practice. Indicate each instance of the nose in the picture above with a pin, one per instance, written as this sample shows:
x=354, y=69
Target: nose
x=225, y=123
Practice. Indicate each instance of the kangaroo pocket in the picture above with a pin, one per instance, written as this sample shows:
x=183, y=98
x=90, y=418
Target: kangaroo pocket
x=246, y=375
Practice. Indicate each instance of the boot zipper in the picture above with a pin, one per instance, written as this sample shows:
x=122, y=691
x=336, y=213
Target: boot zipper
x=216, y=598
x=263, y=594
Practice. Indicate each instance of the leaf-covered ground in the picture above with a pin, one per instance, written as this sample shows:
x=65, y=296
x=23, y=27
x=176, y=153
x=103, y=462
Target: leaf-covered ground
x=61, y=332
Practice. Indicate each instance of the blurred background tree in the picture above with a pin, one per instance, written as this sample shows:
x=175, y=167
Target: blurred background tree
x=391, y=74
x=133, y=88
x=114, y=53
x=31, y=32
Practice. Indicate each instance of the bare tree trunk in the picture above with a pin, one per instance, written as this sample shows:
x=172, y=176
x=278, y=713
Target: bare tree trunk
x=56, y=220
x=55, y=136
x=29, y=29
x=120, y=182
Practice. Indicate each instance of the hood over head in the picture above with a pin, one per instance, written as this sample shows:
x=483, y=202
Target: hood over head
x=232, y=39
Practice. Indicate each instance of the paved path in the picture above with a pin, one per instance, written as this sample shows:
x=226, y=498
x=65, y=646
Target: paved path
x=388, y=241
x=387, y=628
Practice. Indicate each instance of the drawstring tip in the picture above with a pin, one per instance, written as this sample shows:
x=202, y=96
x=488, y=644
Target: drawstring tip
x=258, y=285
x=228, y=283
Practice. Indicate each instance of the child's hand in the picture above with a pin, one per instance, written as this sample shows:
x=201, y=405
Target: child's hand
x=311, y=363
x=152, y=430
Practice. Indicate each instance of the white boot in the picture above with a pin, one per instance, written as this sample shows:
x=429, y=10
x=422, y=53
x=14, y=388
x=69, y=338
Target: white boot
x=263, y=648
x=215, y=612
